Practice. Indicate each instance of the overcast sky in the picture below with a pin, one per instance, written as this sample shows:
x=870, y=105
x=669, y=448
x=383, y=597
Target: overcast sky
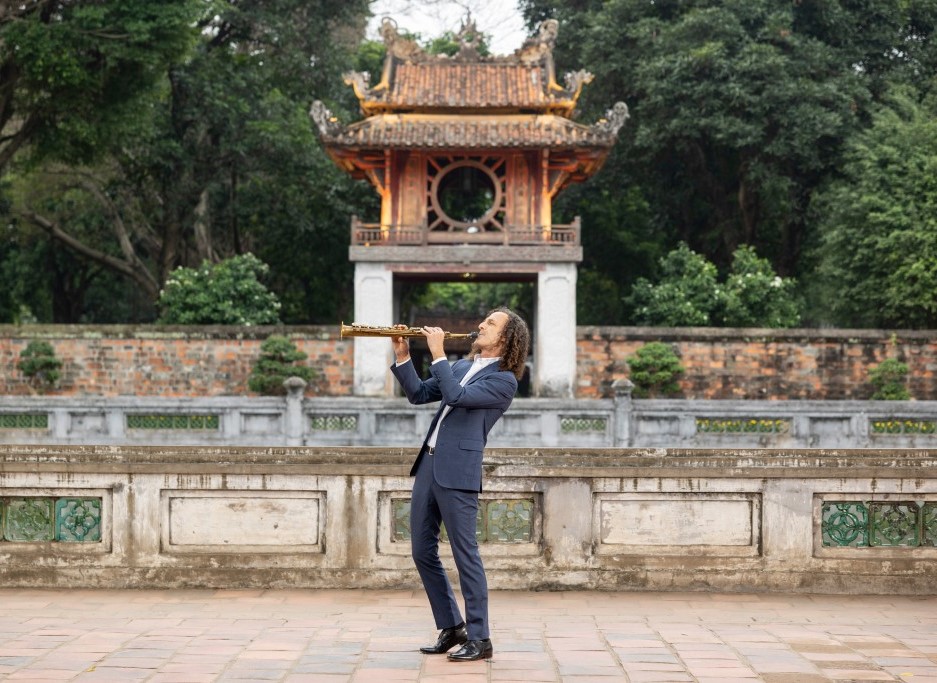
x=501, y=20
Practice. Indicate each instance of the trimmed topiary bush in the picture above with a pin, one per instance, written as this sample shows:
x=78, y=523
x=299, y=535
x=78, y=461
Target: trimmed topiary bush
x=655, y=369
x=40, y=366
x=889, y=381
x=278, y=358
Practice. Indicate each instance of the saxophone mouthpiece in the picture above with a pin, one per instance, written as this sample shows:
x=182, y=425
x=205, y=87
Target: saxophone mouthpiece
x=472, y=335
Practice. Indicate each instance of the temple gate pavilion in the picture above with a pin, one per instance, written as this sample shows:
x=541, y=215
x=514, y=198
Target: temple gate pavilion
x=467, y=153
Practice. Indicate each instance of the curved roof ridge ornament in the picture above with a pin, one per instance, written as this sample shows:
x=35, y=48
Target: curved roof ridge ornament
x=574, y=81
x=535, y=48
x=549, y=30
x=388, y=31
x=469, y=39
x=325, y=120
x=614, y=119
x=398, y=46
x=358, y=80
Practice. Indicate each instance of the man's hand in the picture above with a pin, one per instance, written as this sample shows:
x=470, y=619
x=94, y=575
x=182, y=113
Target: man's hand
x=401, y=346
x=435, y=337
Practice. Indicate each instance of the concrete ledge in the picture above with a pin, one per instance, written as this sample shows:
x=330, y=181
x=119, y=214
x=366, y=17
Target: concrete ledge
x=615, y=519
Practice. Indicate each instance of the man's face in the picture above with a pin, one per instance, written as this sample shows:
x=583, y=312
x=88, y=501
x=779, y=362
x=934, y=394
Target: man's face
x=490, y=330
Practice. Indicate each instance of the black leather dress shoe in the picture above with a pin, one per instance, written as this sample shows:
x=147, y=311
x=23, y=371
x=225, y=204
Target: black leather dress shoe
x=473, y=650
x=448, y=639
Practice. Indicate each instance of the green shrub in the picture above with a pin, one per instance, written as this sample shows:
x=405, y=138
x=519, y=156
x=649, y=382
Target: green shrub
x=655, y=369
x=686, y=295
x=277, y=362
x=889, y=381
x=40, y=366
x=225, y=293
x=755, y=296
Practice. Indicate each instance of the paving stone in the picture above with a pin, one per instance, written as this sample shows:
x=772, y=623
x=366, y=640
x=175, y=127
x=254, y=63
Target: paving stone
x=325, y=636
x=793, y=678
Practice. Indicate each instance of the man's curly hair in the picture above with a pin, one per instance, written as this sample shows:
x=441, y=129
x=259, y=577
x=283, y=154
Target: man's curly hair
x=516, y=342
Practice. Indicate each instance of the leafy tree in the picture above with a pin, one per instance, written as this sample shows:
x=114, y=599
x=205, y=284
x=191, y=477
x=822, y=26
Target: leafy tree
x=620, y=241
x=224, y=161
x=226, y=293
x=740, y=109
x=40, y=366
x=877, y=260
x=686, y=295
x=471, y=298
x=278, y=361
x=598, y=299
x=45, y=276
x=755, y=297
x=71, y=73
x=655, y=370
x=889, y=379
x=25, y=291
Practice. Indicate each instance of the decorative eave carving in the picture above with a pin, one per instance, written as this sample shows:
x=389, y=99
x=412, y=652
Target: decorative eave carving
x=441, y=131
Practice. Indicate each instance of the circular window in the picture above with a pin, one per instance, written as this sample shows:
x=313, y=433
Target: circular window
x=466, y=193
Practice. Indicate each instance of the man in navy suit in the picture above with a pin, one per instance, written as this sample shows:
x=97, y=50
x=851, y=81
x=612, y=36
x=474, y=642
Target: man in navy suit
x=473, y=394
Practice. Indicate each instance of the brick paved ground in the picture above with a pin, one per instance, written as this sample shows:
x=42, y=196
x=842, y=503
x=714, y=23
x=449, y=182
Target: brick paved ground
x=373, y=636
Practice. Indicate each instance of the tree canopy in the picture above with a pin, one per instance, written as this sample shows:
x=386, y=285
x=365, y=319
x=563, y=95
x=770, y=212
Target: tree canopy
x=219, y=157
x=877, y=258
x=773, y=141
x=72, y=74
x=741, y=113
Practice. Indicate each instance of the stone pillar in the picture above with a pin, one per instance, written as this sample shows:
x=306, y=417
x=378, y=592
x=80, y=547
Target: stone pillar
x=621, y=434
x=554, y=372
x=374, y=299
x=295, y=420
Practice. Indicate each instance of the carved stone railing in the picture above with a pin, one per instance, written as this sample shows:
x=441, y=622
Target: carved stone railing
x=376, y=234
x=345, y=421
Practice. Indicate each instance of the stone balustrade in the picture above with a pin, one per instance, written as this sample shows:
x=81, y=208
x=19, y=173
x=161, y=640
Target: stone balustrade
x=733, y=519
x=347, y=421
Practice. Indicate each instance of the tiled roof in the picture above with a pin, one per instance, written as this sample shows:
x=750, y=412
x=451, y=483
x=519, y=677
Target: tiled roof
x=468, y=85
x=439, y=132
x=413, y=80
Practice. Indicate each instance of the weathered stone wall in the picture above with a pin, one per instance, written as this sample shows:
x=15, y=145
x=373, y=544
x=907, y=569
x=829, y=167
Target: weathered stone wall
x=837, y=521
x=720, y=364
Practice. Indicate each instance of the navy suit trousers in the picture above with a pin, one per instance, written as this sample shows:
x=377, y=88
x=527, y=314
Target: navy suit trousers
x=458, y=510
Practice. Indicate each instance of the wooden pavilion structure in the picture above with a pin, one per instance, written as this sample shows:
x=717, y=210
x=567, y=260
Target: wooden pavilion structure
x=467, y=153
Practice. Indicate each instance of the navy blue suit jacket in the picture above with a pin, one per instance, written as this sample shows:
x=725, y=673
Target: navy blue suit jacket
x=476, y=407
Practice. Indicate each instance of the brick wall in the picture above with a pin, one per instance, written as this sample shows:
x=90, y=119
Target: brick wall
x=113, y=360
x=762, y=364
x=721, y=364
